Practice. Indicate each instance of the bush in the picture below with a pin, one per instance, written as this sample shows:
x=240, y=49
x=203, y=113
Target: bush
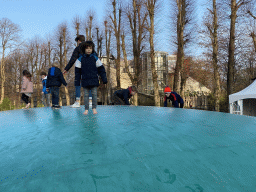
x=211, y=102
x=40, y=105
x=6, y=105
x=224, y=104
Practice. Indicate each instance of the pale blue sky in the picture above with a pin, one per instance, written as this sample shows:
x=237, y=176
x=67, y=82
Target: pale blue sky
x=41, y=17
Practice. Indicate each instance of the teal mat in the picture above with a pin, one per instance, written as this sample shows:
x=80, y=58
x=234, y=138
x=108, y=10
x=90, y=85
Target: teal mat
x=126, y=148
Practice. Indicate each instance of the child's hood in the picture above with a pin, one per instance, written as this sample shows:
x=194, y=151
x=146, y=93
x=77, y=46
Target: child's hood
x=53, y=70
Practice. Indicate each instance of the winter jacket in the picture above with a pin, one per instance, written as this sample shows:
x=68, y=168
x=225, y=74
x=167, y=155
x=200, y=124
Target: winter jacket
x=124, y=94
x=75, y=55
x=175, y=98
x=44, y=85
x=55, y=78
x=27, y=85
x=73, y=58
x=91, y=67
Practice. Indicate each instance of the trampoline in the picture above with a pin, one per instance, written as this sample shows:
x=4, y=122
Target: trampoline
x=126, y=148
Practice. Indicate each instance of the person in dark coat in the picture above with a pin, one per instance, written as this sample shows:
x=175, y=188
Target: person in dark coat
x=91, y=69
x=54, y=80
x=174, y=97
x=74, y=60
x=121, y=97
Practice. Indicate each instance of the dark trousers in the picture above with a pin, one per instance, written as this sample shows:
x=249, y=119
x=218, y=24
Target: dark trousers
x=55, y=95
x=117, y=100
x=77, y=76
x=25, y=98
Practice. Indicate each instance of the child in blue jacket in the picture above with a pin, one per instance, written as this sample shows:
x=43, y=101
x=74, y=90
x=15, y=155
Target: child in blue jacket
x=91, y=68
x=174, y=97
x=45, y=94
x=54, y=80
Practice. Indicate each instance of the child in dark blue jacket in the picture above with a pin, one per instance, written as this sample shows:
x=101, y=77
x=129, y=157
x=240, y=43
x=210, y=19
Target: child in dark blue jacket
x=54, y=80
x=174, y=97
x=121, y=97
x=91, y=67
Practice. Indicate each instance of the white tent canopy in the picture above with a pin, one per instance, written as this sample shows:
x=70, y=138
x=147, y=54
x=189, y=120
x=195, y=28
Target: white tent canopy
x=244, y=102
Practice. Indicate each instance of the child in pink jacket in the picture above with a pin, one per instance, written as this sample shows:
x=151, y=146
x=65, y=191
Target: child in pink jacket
x=26, y=88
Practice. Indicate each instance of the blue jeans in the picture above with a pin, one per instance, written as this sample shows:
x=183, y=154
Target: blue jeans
x=55, y=95
x=86, y=97
x=78, y=92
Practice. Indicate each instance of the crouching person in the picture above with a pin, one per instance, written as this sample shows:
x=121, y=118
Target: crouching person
x=174, y=97
x=121, y=97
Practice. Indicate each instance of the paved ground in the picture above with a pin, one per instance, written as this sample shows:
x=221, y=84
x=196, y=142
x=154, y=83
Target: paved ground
x=124, y=148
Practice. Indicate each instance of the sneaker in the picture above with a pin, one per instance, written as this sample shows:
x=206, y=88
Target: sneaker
x=76, y=104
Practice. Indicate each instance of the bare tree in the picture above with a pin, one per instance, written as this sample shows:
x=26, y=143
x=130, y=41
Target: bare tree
x=212, y=26
x=137, y=18
x=107, y=38
x=234, y=5
x=253, y=33
x=61, y=50
x=99, y=42
x=151, y=5
x=9, y=33
x=182, y=16
x=89, y=24
x=117, y=30
x=77, y=24
x=65, y=60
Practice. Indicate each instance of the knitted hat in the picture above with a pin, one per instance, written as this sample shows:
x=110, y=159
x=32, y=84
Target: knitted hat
x=167, y=89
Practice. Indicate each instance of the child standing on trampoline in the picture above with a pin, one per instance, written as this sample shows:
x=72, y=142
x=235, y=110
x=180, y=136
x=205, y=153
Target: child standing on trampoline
x=91, y=67
x=26, y=88
x=79, y=39
x=54, y=80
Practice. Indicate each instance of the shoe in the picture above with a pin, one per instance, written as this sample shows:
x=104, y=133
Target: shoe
x=75, y=105
x=56, y=107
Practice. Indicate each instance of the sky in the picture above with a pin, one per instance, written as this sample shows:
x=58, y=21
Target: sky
x=41, y=17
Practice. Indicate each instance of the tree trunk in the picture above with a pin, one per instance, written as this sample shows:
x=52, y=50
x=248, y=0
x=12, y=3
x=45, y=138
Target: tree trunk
x=125, y=60
x=215, y=59
x=37, y=71
x=118, y=79
x=2, y=75
x=65, y=63
x=179, y=79
x=151, y=11
x=61, y=64
x=49, y=52
x=108, y=62
x=254, y=40
x=231, y=50
x=117, y=35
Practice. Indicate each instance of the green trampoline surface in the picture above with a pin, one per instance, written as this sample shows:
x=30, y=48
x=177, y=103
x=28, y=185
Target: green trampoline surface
x=125, y=148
